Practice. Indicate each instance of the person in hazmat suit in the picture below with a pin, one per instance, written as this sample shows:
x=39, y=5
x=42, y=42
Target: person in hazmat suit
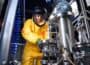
x=34, y=31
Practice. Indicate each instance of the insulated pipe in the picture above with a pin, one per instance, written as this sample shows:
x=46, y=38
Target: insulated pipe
x=66, y=35
x=62, y=12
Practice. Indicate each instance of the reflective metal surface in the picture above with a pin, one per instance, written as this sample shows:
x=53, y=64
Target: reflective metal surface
x=7, y=30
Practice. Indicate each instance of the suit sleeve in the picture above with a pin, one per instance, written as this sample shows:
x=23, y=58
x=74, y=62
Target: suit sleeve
x=28, y=35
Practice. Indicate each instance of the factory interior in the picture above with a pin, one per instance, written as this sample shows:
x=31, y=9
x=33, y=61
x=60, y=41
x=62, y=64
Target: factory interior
x=13, y=14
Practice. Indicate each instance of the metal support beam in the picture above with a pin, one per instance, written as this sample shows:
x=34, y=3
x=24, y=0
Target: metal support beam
x=6, y=31
x=85, y=17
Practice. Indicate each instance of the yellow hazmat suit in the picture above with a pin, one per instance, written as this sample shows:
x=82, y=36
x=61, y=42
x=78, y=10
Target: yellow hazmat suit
x=31, y=33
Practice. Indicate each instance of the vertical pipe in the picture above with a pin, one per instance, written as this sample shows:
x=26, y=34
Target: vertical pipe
x=85, y=15
x=62, y=30
x=65, y=30
x=7, y=30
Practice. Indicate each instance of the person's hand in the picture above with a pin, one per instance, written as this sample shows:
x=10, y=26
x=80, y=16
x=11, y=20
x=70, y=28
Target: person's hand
x=39, y=43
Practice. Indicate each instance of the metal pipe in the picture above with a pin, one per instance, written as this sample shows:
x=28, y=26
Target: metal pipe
x=6, y=31
x=85, y=15
x=62, y=30
x=65, y=29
